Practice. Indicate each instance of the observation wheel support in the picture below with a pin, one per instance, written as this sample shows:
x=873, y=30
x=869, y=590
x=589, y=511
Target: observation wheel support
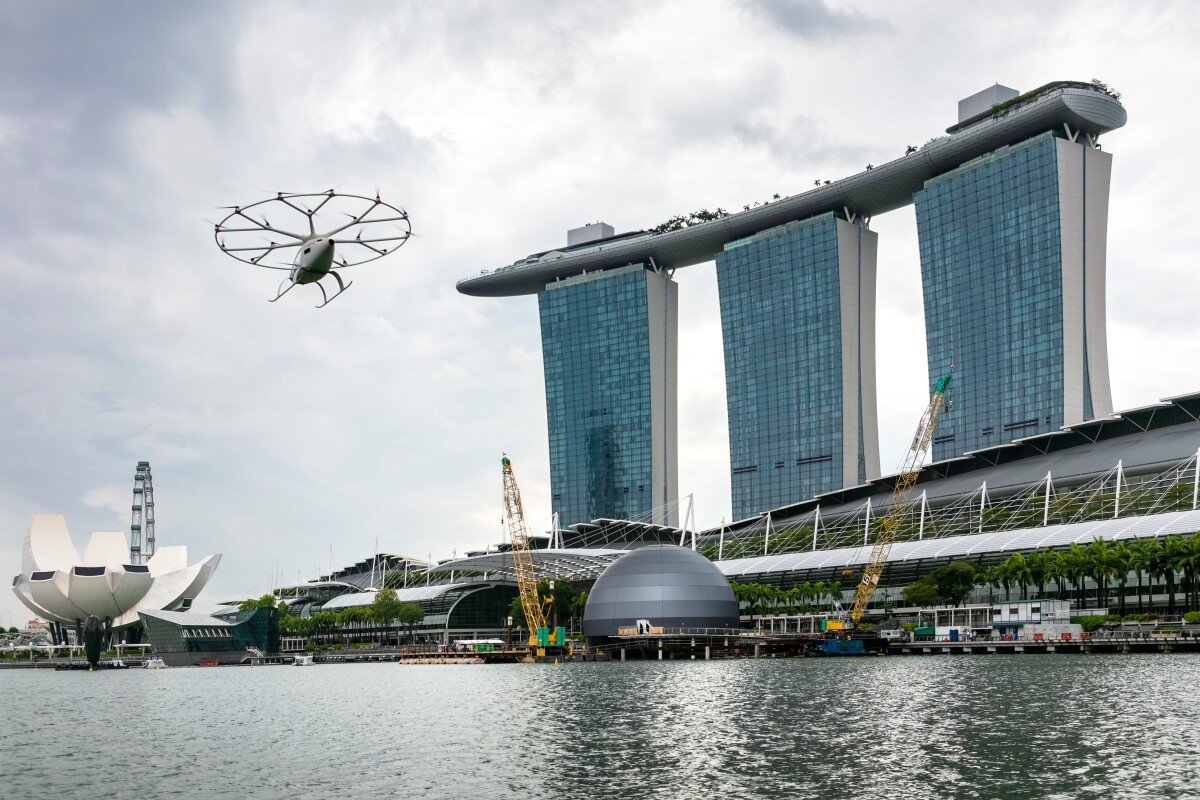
x=141, y=527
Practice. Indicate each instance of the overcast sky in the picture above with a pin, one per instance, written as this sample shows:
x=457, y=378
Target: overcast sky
x=279, y=433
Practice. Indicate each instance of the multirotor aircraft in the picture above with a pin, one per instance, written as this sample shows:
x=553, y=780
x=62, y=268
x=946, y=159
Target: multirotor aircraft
x=315, y=252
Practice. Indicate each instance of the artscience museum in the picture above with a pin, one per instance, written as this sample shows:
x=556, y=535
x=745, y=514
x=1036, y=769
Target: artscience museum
x=62, y=587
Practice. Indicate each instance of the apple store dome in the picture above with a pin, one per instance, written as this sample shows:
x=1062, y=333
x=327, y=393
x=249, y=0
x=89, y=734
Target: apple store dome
x=672, y=587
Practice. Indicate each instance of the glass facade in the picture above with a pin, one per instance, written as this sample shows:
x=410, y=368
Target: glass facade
x=172, y=632
x=608, y=349
x=797, y=318
x=1003, y=304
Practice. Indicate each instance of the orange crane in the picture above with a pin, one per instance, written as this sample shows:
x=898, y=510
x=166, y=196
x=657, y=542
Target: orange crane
x=905, y=482
x=534, y=607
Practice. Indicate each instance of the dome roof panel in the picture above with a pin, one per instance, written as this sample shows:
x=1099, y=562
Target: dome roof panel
x=671, y=586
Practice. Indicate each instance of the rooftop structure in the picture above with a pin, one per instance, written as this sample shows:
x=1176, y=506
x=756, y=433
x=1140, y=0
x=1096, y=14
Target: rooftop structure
x=1083, y=107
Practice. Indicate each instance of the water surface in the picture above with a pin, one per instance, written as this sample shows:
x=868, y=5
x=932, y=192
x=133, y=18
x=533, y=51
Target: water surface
x=1054, y=726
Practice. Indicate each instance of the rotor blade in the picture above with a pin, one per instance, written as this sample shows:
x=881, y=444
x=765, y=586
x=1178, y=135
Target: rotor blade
x=264, y=225
x=364, y=241
x=376, y=221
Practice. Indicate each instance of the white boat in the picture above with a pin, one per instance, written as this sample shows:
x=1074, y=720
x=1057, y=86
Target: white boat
x=154, y=662
x=303, y=660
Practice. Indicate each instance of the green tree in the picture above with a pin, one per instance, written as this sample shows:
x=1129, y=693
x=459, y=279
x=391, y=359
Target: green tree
x=1039, y=566
x=1075, y=566
x=1004, y=579
x=1191, y=568
x=579, y=606
x=1155, y=569
x=410, y=614
x=1017, y=569
x=1121, y=557
x=923, y=592
x=954, y=582
x=385, y=607
x=324, y=624
x=564, y=600
x=1174, y=558
x=266, y=601
x=517, y=612
x=1141, y=559
x=1100, y=569
x=989, y=577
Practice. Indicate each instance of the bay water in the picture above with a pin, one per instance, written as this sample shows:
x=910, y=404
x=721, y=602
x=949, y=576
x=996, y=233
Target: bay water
x=1035, y=726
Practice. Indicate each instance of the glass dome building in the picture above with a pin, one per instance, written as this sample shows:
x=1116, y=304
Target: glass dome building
x=672, y=587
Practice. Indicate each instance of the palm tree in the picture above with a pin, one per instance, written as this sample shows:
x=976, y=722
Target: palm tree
x=1174, y=557
x=1141, y=557
x=1121, y=556
x=989, y=577
x=1004, y=579
x=1075, y=567
x=1100, y=569
x=1154, y=566
x=1038, y=563
x=1191, y=567
x=1019, y=573
x=833, y=591
x=1054, y=571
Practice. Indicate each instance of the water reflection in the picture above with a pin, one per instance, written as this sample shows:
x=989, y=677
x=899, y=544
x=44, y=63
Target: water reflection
x=938, y=727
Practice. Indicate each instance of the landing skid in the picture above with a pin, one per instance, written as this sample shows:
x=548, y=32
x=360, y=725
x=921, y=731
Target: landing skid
x=282, y=291
x=341, y=288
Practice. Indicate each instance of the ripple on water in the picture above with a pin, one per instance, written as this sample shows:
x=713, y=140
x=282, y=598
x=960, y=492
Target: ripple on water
x=936, y=727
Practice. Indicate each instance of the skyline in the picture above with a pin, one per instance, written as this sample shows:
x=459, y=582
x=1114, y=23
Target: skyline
x=276, y=431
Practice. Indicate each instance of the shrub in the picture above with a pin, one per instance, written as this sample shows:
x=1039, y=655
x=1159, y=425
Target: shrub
x=1192, y=616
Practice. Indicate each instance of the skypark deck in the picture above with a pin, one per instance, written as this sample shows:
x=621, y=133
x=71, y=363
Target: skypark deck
x=1076, y=109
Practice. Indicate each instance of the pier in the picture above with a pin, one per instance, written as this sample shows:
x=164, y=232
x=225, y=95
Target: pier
x=1092, y=644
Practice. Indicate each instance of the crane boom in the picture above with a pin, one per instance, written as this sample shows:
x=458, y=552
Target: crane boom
x=905, y=481
x=514, y=516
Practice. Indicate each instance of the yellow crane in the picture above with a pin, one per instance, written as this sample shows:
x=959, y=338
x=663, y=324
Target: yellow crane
x=514, y=516
x=905, y=482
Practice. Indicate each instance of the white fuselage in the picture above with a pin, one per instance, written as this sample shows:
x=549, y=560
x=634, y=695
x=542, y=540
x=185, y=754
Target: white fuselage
x=313, y=261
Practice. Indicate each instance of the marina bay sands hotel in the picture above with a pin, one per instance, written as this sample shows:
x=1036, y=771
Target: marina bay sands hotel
x=1012, y=214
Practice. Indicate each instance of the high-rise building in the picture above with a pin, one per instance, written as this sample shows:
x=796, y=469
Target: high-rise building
x=798, y=321
x=1013, y=262
x=1012, y=208
x=609, y=353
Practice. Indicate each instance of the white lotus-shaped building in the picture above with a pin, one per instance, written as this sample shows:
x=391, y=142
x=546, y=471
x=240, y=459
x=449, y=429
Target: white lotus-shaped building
x=59, y=586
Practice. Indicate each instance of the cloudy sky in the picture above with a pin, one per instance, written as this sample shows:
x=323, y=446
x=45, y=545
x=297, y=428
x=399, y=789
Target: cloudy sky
x=282, y=436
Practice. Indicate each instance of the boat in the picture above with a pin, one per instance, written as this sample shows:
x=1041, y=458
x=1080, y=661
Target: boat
x=154, y=662
x=303, y=660
x=210, y=662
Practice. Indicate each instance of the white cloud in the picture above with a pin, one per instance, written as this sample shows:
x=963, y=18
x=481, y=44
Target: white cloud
x=277, y=431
